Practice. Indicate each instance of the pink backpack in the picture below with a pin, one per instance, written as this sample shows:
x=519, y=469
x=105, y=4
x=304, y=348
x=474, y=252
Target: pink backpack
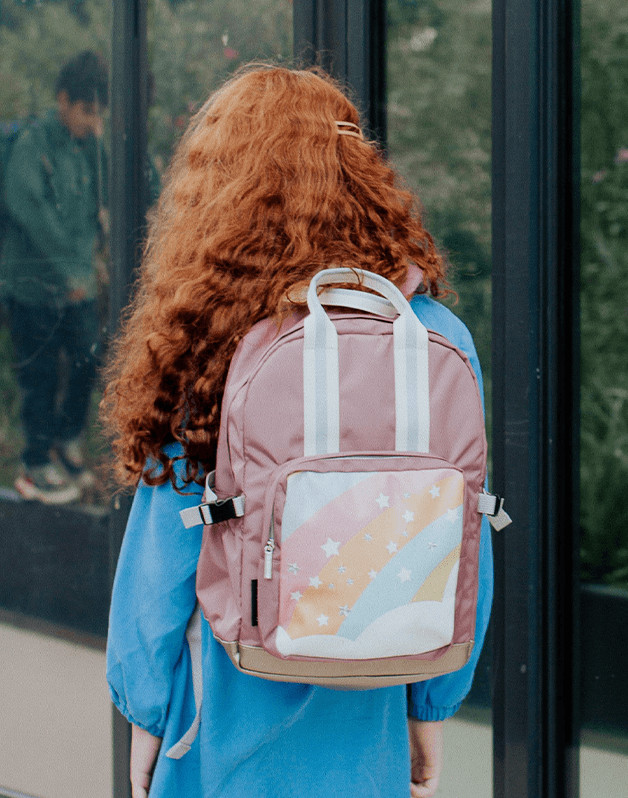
x=342, y=531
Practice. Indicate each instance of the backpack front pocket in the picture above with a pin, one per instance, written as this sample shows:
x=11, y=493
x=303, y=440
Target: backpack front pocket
x=362, y=556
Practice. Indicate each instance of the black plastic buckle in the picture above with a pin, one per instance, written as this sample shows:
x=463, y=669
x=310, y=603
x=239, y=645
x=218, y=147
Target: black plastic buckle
x=499, y=503
x=216, y=512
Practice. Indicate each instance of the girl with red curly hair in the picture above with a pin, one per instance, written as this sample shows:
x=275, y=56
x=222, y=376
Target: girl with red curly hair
x=272, y=182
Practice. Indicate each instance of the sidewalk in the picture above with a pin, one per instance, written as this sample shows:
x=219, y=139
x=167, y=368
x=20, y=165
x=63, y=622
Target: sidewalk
x=469, y=762
x=55, y=730
x=55, y=717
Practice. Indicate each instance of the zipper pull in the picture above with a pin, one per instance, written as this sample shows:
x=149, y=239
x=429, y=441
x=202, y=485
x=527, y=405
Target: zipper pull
x=268, y=558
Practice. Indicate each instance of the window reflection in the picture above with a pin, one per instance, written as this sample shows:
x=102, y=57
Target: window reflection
x=193, y=45
x=53, y=238
x=55, y=196
x=439, y=136
x=53, y=284
x=604, y=396
x=605, y=287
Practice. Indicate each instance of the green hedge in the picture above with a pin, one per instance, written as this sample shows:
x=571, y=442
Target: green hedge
x=604, y=297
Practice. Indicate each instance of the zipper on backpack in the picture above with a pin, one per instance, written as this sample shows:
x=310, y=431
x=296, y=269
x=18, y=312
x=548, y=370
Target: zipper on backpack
x=269, y=548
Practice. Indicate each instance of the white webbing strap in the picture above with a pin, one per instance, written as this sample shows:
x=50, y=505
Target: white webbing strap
x=412, y=385
x=213, y=512
x=492, y=506
x=320, y=385
x=193, y=635
x=359, y=300
x=320, y=362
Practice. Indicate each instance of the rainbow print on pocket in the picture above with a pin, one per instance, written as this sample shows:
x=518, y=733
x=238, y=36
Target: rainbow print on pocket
x=369, y=563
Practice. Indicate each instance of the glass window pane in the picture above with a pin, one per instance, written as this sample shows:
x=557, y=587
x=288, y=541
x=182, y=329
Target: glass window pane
x=193, y=46
x=604, y=396
x=53, y=292
x=439, y=138
x=53, y=268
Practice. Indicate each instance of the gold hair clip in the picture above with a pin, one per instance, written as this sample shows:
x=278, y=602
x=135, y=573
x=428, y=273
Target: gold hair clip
x=353, y=130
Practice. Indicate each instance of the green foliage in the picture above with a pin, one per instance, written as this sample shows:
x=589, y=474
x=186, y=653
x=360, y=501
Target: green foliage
x=440, y=136
x=439, y=130
x=604, y=298
x=194, y=45
x=39, y=40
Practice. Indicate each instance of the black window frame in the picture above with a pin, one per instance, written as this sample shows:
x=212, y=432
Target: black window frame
x=536, y=397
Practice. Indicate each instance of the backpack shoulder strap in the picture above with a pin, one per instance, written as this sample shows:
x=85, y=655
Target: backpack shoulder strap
x=193, y=635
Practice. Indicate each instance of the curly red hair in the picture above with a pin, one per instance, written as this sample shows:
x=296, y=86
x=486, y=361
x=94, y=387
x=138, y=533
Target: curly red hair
x=261, y=194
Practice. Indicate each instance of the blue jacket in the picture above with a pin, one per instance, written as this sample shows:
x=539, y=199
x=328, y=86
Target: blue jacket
x=268, y=739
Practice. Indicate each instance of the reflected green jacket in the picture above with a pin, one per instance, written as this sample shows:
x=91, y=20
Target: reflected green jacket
x=54, y=185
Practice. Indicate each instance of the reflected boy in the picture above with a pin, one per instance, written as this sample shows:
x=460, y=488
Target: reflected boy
x=54, y=193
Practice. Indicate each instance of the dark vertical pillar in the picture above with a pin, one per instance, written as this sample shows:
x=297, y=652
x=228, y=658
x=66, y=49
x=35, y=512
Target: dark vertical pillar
x=348, y=39
x=128, y=199
x=535, y=405
x=128, y=144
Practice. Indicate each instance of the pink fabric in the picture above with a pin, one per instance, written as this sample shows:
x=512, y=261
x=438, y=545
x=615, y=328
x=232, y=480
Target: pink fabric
x=262, y=429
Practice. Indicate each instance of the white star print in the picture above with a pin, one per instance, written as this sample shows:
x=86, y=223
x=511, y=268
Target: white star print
x=342, y=569
x=296, y=595
x=323, y=620
x=434, y=491
x=392, y=547
x=404, y=575
x=368, y=537
x=331, y=586
x=432, y=545
x=331, y=547
x=405, y=533
x=372, y=574
x=452, y=515
x=408, y=516
x=349, y=581
x=315, y=581
x=293, y=568
x=344, y=610
x=382, y=501
x=406, y=495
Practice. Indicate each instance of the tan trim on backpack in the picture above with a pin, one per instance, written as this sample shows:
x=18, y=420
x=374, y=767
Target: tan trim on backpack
x=356, y=674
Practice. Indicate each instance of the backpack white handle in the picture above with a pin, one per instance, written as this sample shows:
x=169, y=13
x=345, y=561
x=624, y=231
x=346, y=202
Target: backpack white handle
x=358, y=300
x=320, y=368
x=370, y=280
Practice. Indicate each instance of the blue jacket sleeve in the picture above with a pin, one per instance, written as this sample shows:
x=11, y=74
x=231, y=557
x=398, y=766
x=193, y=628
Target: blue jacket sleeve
x=153, y=599
x=439, y=698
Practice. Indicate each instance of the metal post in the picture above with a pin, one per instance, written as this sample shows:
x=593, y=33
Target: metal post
x=129, y=192
x=535, y=405
x=348, y=39
x=128, y=199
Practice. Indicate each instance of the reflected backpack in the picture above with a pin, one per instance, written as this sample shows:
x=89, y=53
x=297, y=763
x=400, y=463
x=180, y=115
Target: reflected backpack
x=342, y=524
x=9, y=133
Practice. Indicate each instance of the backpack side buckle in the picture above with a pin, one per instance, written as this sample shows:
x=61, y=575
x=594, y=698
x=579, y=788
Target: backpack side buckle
x=492, y=506
x=213, y=512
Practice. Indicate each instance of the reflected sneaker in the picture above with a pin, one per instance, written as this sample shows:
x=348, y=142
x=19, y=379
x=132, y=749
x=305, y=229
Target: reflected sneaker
x=47, y=484
x=71, y=456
